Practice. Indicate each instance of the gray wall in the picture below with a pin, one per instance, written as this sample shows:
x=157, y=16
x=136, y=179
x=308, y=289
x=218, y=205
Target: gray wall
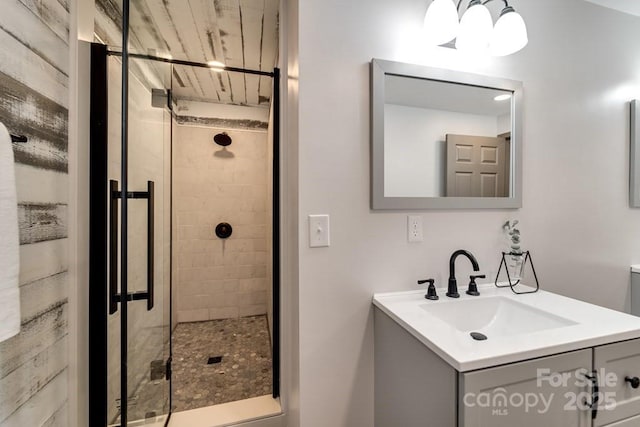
x=579, y=71
x=34, y=70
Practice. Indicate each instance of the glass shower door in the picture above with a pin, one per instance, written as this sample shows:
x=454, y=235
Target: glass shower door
x=140, y=245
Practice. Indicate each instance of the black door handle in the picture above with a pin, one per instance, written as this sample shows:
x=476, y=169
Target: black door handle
x=113, y=246
x=114, y=297
x=150, y=242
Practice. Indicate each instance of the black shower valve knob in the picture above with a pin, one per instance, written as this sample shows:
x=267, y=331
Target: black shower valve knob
x=224, y=230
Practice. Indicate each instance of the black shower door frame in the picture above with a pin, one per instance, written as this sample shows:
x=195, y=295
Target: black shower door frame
x=98, y=226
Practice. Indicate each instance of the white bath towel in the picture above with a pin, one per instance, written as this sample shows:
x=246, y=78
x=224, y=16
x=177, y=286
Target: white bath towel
x=9, y=242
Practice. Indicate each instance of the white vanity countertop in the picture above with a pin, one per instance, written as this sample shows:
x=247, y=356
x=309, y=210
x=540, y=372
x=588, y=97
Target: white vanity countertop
x=587, y=325
x=635, y=268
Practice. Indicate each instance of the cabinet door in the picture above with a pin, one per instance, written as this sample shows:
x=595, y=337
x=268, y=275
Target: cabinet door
x=615, y=362
x=550, y=391
x=629, y=422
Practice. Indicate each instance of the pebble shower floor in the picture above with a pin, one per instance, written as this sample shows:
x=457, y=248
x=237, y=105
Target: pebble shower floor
x=244, y=372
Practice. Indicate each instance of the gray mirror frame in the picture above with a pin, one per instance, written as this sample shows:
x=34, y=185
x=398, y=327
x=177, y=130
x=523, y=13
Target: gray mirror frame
x=380, y=68
x=634, y=156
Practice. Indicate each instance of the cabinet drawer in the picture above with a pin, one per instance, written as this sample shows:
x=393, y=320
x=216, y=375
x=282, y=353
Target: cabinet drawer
x=551, y=385
x=619, y=400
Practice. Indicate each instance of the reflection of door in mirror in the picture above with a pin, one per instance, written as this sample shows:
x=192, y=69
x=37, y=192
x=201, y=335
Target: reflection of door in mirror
x=477, y=166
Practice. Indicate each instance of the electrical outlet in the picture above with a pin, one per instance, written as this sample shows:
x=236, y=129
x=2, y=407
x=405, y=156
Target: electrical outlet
x=414, y=228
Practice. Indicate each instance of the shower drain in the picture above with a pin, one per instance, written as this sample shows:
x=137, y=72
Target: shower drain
x=214, y=359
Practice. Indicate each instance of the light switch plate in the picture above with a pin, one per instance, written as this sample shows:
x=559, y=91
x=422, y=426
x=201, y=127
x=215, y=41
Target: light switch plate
x=318, y=231
x=414, y=228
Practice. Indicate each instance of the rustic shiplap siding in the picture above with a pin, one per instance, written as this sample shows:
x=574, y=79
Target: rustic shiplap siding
x=43, y=121
x=40, y=222
x=222, y=123
x=34, y=69
x=239, y=33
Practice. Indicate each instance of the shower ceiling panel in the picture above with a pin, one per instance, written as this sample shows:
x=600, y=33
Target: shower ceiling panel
x=239, y=33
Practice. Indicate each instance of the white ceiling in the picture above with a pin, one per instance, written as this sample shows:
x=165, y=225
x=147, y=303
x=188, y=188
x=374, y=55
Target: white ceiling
x=631, y=7
x=437, y=95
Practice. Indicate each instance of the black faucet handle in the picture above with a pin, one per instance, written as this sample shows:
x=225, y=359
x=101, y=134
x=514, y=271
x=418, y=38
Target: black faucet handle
x=473, y=288
x=431, y=293
x=431, y=290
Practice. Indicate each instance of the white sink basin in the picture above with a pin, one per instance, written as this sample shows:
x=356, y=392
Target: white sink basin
x=518, y=327
x=494, y=316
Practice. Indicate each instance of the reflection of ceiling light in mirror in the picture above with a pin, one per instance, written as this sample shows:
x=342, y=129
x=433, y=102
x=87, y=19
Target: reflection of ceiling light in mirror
x=216, y=66
x=502, y=97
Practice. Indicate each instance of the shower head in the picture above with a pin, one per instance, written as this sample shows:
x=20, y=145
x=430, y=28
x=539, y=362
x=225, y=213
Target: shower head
x=222, y=139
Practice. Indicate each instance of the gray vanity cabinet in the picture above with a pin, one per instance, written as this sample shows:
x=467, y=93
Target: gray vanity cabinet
x=620, y=403
x=629, y=422
x=542, y=392
x=415, y=387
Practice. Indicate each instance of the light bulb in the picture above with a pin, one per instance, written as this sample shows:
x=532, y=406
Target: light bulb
x=475, y=28
x=509, y=34
x=216, y=66
x=441, y=22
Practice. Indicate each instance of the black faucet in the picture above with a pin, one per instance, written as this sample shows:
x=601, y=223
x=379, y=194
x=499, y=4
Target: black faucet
x=452, y=290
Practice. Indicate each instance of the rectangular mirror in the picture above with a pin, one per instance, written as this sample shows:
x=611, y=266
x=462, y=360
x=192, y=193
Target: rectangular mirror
x=444, y=139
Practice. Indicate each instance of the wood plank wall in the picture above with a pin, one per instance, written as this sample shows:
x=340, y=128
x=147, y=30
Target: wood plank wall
x=34, y=80
x=239, y=33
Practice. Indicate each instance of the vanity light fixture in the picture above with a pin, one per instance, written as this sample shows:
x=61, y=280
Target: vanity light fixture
x=502, y=97
x=441, y=22
x=475, y=31
x=475, y=28
x=216, y=66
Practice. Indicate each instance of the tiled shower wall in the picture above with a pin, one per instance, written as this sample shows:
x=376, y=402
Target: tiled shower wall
x=219, y=279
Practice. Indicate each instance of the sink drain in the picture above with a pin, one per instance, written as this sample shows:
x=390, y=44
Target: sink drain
x=478, y=336
x=214, y=359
